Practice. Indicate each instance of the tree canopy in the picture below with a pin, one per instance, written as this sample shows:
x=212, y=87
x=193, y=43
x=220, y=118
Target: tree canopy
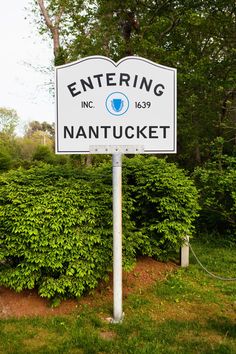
x=8, y=121
x=196, y=37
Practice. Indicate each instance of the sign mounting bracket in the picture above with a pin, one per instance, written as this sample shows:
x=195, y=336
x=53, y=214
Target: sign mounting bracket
x=114, y=149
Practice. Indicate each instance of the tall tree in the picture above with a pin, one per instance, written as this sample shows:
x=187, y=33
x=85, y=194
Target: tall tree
x=52, y=17
x=8, y=121
x=35, y=126
x=8, y=147
x=197, y=37
x=40, y=133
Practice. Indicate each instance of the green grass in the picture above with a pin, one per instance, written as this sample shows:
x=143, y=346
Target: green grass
x=189, y=312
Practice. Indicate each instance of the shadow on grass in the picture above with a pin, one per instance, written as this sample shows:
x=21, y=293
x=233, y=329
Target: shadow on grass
x=223, y=326
x=143, y=335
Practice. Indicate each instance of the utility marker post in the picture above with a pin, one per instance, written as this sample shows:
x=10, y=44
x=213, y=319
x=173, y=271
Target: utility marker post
x=117, y=237
x=184, y=253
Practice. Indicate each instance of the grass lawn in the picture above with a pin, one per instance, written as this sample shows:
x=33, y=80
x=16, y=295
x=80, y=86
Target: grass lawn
x=189, y=312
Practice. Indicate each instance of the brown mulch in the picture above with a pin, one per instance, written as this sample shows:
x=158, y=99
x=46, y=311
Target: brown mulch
x=28, y=303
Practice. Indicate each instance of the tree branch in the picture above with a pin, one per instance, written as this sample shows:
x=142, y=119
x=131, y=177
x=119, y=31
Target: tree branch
x=45, y=15
x=174, y=23
x=53, y=27
x=58, y=17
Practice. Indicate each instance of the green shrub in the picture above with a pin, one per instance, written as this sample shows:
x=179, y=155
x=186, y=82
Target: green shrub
x=56, y=230
x=6, y=160
x=43, y=153
x=165, y=204
x=217, y=186
x=56, y=223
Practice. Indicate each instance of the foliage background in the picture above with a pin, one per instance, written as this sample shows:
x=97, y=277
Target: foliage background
x=196, y=37
x=55, y=218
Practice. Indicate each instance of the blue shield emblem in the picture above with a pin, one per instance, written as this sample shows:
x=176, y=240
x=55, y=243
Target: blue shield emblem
x=117, y=104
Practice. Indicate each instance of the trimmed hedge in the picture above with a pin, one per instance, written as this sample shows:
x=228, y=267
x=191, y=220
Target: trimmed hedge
x=56, y=223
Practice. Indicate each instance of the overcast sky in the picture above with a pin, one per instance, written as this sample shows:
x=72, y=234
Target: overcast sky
x=22, y=87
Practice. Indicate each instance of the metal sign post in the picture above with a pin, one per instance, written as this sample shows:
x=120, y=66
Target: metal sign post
x=117, y=237
x=104, y=107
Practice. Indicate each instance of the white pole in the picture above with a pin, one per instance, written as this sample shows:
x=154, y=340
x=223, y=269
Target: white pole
x=117, y=237
x=184, y=253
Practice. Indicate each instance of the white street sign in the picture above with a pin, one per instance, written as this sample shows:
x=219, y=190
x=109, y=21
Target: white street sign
x=102, y=105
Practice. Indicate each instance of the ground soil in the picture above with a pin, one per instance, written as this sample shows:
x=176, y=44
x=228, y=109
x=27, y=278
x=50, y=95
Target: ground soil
x=28, y=303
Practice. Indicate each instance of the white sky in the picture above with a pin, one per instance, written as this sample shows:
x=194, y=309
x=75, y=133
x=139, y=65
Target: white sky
x=22, y=87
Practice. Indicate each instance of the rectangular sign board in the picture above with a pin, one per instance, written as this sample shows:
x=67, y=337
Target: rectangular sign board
x=102, y=106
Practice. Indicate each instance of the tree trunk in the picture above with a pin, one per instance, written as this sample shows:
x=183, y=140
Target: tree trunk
x=53, y=27
x=197, y=154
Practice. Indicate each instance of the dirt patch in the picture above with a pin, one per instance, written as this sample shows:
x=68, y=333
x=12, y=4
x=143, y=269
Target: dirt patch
x=146, y=272
x=28, y=303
